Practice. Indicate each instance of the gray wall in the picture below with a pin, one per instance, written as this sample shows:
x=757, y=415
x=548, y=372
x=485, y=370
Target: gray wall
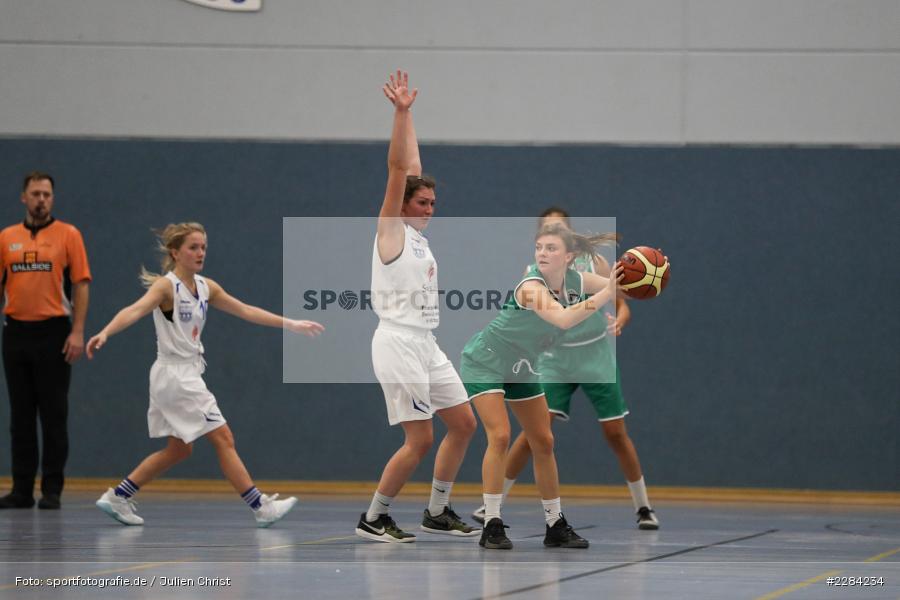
x=771, y=360
x=520, y=71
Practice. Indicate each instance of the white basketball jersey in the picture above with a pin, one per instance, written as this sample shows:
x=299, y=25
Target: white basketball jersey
x=405, y=291
x=180, y=337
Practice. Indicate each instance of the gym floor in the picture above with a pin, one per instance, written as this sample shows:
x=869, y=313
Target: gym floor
x=207, y=545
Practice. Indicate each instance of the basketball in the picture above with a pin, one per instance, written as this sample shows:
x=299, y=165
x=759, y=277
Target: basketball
x=646, y=272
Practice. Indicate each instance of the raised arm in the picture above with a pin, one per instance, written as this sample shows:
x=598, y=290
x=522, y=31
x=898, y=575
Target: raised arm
x=535, y=295
x=414, y=161
x=225, y=302
x=400, y=160
x=160, y=292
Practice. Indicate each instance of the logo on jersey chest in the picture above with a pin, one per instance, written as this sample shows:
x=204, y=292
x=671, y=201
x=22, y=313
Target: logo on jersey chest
x=185, y=315
x=31, y=264
x=417, y=248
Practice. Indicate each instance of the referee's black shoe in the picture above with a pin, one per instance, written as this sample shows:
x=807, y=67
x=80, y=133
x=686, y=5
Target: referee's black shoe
x=561, y=535
x=493, y=537
x=49, y=502
x=16, y=501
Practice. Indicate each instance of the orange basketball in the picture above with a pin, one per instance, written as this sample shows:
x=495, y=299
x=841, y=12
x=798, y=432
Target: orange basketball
x=646, y=272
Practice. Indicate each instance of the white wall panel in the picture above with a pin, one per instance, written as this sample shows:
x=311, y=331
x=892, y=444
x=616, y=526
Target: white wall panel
x=637, y=24
x=822, y=25
x=519, y=97
x=796, y=98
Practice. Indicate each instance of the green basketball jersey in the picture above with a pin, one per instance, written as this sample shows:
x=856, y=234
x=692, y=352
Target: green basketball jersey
x=593, y=327
x=584, y=353
x=519, y=333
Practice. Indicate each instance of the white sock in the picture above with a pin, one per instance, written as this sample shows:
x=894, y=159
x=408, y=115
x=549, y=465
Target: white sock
x=552, y=511
x=379, y=506
x=492, y=503
x=639, y=494
x=440, y=496
x=507, y=485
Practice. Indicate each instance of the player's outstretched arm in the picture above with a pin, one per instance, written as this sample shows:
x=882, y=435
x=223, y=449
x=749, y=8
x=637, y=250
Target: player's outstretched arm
x=159, y=293
x=390, y=225
x=219, y=298
x=536, y=296
x=413, y=160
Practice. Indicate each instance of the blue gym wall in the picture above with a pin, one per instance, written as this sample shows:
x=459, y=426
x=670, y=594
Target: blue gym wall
x=770, y=361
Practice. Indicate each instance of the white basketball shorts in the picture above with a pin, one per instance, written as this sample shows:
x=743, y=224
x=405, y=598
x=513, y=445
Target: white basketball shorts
x=180, y=404
x=416, y=376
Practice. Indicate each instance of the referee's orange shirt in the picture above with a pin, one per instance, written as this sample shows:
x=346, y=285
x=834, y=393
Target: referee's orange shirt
x=34, y=268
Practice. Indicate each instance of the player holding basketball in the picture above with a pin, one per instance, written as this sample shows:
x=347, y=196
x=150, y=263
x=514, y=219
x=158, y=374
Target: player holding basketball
x=182, y=409
x=584, y=357
x=499, y=363
x=417, y=378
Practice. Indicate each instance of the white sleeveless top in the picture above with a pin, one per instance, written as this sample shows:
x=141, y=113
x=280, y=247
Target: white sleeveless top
x=179, y=339
x=405, y=291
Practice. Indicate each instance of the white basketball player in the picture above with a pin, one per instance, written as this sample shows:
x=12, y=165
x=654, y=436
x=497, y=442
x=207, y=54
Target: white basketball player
x=417, y=378
x=182, y=409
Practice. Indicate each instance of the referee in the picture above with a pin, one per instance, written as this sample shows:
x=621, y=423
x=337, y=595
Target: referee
x=45, y=279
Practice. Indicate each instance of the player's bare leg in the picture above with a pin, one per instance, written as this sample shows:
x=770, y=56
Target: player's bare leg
x=266, y=509
x=161, y=461
x=492, y=411
x=231, y=464
x=617, y=437
x=439, y=517
x=461, y=425
x=532, y=415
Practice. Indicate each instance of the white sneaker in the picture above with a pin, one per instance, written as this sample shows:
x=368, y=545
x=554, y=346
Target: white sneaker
x=272, y=510
x=119, y=508
x=478, y=515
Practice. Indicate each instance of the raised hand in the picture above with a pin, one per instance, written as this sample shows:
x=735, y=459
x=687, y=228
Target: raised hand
x=310, y=328
x=397, y=91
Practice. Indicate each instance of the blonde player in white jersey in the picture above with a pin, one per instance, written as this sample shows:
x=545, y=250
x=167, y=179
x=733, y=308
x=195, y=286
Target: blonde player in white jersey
x=417, y=378
x=182, y=409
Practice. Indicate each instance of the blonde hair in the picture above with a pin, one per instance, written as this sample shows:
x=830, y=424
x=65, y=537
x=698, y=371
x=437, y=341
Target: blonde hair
x=169, y=238
x=575, y=242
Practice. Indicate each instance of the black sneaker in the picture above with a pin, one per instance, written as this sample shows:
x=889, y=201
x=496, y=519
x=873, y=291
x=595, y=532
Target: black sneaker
x=647, y=519
x=49, y=502
x=16, y=501
x=493, y=537
x=561, y=535
x=382, y=529
x=448, y=522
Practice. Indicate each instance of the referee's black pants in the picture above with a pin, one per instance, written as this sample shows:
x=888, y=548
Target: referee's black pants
x=37, y=378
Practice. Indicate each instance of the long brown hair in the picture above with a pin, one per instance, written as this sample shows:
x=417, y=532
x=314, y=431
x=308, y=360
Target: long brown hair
x=576, y=242
x=169, y=239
